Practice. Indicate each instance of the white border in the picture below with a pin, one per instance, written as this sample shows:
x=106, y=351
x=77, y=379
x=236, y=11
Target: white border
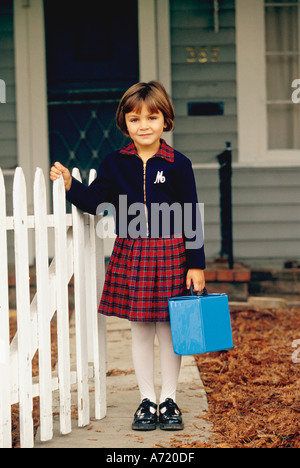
x=31, y=90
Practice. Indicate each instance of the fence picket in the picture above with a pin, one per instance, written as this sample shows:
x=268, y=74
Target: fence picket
x=97, y=323
x=59, y=208
x=5, y=412
x=43, y=306
x=23, y=309
x=102, y=336
x=90, y=284
x=80, y=313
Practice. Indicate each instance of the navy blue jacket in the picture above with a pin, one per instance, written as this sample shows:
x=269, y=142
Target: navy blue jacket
x=165, y=179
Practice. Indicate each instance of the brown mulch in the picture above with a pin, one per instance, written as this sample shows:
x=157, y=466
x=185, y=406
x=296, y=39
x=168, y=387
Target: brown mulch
x=253, y=390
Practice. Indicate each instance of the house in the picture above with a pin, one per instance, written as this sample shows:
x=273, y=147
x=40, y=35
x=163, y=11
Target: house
x=229, y=67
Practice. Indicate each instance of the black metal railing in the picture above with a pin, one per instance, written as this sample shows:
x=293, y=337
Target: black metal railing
x=225, y=176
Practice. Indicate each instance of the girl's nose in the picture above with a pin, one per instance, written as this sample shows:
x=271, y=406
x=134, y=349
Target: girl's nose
x=144, y=124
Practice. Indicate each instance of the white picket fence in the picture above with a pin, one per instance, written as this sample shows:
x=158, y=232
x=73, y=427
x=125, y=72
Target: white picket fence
x=80, y=252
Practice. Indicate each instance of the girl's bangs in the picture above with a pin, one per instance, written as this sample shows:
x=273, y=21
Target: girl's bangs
x=136, y=102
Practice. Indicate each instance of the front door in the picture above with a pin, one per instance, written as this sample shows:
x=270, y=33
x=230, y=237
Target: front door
x=92, y=58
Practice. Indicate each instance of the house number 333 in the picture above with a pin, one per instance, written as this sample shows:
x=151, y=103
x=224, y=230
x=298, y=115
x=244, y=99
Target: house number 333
x=203, y=54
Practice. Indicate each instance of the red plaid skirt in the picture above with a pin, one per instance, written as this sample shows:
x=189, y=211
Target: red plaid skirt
x=142, y=275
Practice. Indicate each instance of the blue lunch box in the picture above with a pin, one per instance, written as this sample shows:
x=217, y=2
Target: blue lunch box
x=200, y=324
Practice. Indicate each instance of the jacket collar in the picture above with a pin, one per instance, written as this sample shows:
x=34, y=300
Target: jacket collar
x=165, y=151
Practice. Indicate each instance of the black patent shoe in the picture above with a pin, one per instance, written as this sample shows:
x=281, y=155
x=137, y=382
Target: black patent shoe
x=144, y=420
x=171, y=418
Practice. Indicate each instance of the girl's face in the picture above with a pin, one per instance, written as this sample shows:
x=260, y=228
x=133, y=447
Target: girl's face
x=145, y=128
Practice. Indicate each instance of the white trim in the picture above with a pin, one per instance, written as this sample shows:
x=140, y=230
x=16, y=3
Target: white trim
x=164, y=44
x=155, y=41
x=279, y=156
x=147, y=40
x=155, y=45
x=31, y=90
x=164, y=51
x=248, y=165
x=251, y=88
x=31, y=96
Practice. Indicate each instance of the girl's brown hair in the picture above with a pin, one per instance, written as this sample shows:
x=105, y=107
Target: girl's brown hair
x=154, y=95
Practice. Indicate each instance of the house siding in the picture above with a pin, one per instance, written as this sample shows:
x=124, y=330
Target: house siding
x=8, y=125
x=201, y=138
x=266, y=213
x=266, y=200
x=8, y=132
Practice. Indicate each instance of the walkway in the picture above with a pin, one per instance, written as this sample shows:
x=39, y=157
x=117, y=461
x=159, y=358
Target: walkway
x=114, y=431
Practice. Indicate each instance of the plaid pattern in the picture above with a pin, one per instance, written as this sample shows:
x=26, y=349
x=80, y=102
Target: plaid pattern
x=165, y=151
x=142, y=275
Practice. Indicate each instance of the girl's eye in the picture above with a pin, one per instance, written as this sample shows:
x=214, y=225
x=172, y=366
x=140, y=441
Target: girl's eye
x=153, y=118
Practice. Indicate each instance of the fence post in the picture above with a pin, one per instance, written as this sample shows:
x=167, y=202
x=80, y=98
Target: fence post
x=5, y=408
x=80, y=313
x=100, y=275
x=95, y=271
x=43, y=306
x=23, y=309
x=59, y=208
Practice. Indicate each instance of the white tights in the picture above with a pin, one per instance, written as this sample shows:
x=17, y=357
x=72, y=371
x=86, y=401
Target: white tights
x=143, y=334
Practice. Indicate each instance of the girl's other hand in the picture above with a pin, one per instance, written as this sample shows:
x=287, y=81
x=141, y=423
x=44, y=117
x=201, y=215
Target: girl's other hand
x=195, y=276
x=57, y=170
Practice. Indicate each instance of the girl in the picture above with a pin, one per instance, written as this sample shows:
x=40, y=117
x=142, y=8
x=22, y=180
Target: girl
x=152, y=264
